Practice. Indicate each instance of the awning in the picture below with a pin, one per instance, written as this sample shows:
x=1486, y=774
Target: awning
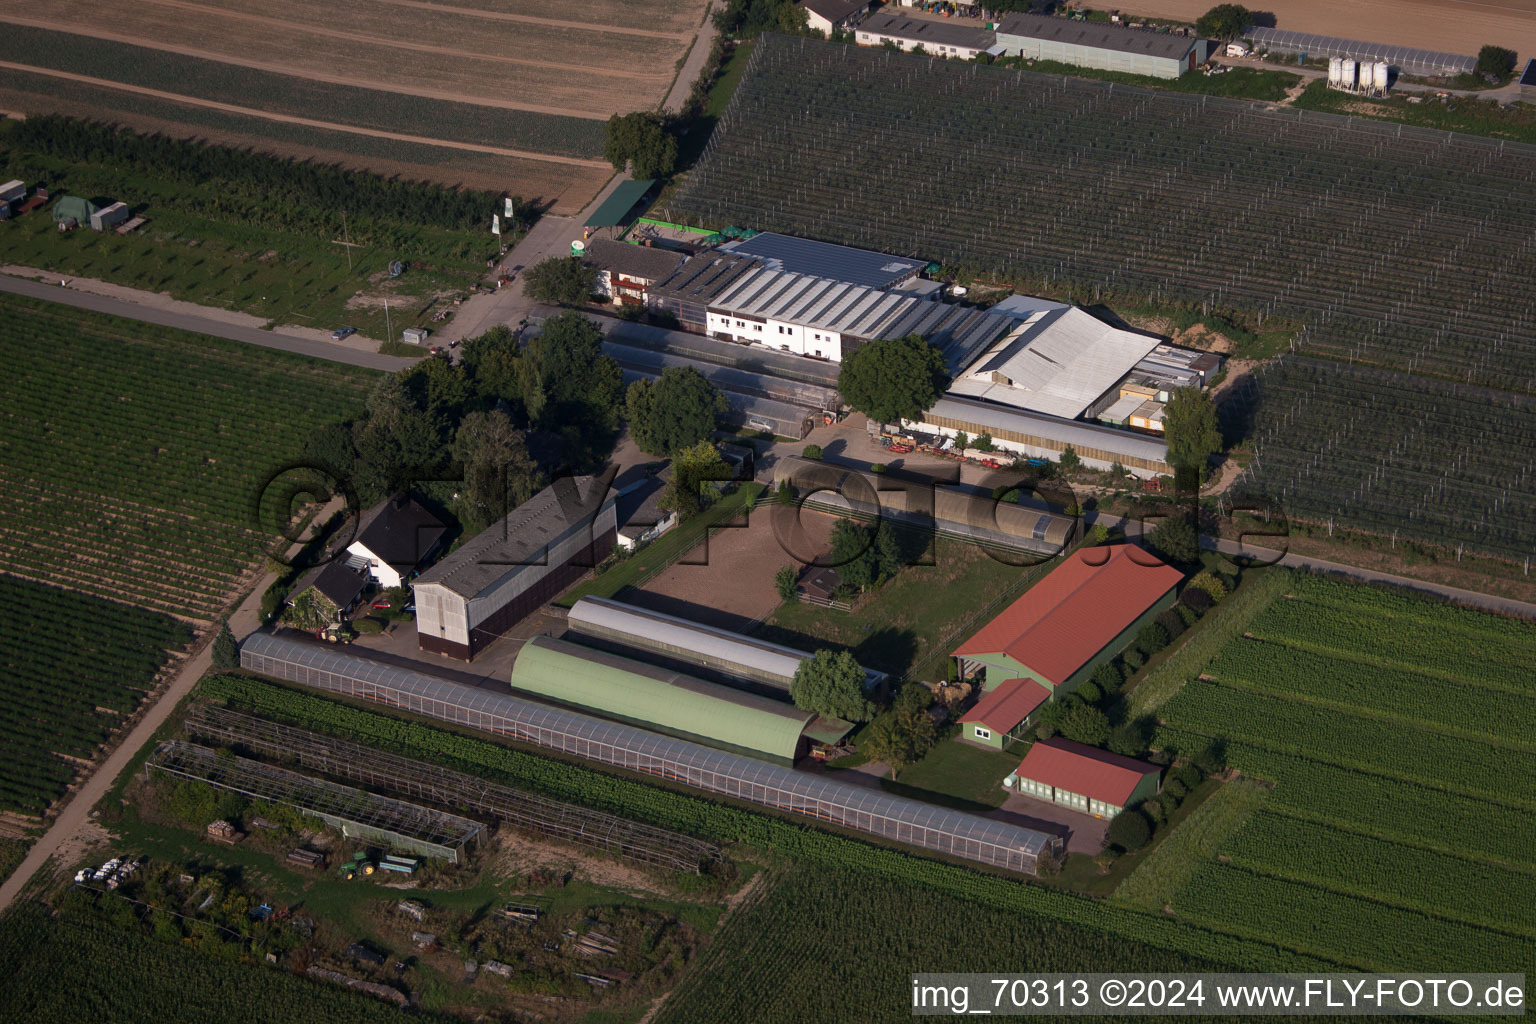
x=614, y=209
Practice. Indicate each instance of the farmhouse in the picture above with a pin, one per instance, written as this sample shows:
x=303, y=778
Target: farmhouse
x=469, y=599
x=1041, y=436
x=732, y=658
x=668, y=701
x=1082, y=613
x=736, y=298
x=935, y=38
x=1095, y=45
x=394, y=538
x=826, y=15
x=625, y=271
x=1083, y=778
x=333, y=590
x=979, y=519
x=640, y=515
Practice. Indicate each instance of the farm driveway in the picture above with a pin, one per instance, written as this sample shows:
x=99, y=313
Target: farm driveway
x=1085, y=833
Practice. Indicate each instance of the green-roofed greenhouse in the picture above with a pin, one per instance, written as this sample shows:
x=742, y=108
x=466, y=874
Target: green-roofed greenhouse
x=617, y=206
x=636, y=692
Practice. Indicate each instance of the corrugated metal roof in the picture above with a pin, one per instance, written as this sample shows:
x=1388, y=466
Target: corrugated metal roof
x=634, y=690
x=1084, y=770
x=759, y=655
x=1098, y=35
x=1059, y=362
x=824, y=259
x=868, y=810
x=1080, y=606
x=990, y=417
x=927, y=32
x=1005, y=707
x=619, y=202
x=522, y=538
x=1406, y=57
x=640, y=261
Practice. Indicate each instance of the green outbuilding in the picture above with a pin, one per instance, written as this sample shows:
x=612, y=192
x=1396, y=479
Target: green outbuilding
x=654, y=697
x=73, y=208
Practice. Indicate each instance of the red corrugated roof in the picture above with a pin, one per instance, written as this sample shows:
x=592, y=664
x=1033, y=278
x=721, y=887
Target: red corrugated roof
x=1085, y=602
x=1008, y=705
x=1087, y=771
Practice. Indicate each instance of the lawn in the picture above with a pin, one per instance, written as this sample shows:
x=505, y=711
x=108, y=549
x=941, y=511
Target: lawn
x=908, y=626
x=662, y=552
x=959, y=775
x=1171, y=862
x=1239, y=83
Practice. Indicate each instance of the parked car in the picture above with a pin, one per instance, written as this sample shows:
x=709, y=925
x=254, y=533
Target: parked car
x=381, y=603
x=343, y=333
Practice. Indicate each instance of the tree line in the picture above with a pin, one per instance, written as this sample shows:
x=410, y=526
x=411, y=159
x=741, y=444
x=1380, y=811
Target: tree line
x=299, y=182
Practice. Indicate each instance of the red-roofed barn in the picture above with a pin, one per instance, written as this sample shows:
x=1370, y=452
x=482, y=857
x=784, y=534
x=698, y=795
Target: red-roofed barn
x=1084, y=778
x=1082, y=613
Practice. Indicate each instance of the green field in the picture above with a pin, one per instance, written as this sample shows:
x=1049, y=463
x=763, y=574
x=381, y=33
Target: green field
x=74, y=667
x=1397, y=734
x=134, y=456
x=71, y=969
x=299, y=97
x=240, y=245
x=909, y=625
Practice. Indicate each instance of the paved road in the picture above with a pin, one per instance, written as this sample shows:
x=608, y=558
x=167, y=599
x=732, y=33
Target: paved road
x=683, y=84
x=202, y=325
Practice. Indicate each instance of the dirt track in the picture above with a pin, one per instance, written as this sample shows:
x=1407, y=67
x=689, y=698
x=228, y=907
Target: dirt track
x=308, y=122
x=1453, y=26
x=529, y=19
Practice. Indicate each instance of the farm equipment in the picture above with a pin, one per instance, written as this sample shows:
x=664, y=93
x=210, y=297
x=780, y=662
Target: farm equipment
x=399, y=865
x=358, y=865
x=397, y=268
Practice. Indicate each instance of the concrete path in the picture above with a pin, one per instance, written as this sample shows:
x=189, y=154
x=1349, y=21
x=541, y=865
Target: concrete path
x=682, y=86
x=76, y=813
x=202, y=324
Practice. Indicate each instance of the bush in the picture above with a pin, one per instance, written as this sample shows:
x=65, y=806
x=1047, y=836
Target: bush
x=812, y=451
x=913, y=697
x=1129, y=830
x=1153, y=809
x=1175, y=540
x=272, y=601
x=1176, y=790
x=367, y=626
x=877, y=467
x=784, y=581
x=1084, y=723
x=1069, y=459
x=1171, y=622
x=1127, y=738
x=1212, y=760
x=1186, y=773
x=1089, y=693
x=1207, y=583
x=1151, y=639
x=1187, y=614
x=1134, y=659
x=1108, y=677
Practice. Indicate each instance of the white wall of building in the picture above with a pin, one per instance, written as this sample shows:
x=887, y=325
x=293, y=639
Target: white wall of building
x=441, y=613
x=382, y=572
x=932, y=49
x=1027, y=450
x=778, y=335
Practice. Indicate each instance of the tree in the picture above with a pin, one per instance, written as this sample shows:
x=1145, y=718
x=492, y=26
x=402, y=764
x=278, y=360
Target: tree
x=1152, y=638
x=698, y=472
x=1083, y=723
x=832, y=683
x=564, y=280
x=1129, y=830
x=1190, y=428
x=1206, y=582
x=498, y=472
x=1107, y=677
x=1225, y=21
x=892, y=380
x=983, y=443
x=914, y=697
x=1069, y=459
x=674, y=411
x=226, y=650
x=640, y=138
x=1128, y=738
x=899, y=738
x=1175, y=540
x=962, y=441
x=864, y=557
x=491, y=363
x=785, y=582
x=568, y=384
x=1495, y=62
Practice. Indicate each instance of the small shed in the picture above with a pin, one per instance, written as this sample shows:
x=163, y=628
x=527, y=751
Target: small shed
x=12, y=191
x=72, y=212
x=109, y=216
x=1083, y=778
x=1003, y=714
x=414, y=335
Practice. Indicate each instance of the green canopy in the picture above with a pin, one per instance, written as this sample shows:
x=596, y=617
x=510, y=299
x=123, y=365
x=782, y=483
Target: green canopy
x=73, y=208
x=617, y=206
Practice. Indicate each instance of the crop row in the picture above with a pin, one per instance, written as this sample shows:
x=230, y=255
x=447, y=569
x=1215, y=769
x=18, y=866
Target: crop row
x=1375, y=869
x=1477, y=627
x=1394, y=245
x=1375, y=745
x=728, y=823
x=66, y=653
x=1346, y=929
x=1352, y=686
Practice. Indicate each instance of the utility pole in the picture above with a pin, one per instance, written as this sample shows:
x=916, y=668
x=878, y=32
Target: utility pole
x=346, y=241
x=389, y=332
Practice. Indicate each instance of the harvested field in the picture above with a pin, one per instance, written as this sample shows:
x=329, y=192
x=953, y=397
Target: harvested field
x=1454, y=26
x=407, y=81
